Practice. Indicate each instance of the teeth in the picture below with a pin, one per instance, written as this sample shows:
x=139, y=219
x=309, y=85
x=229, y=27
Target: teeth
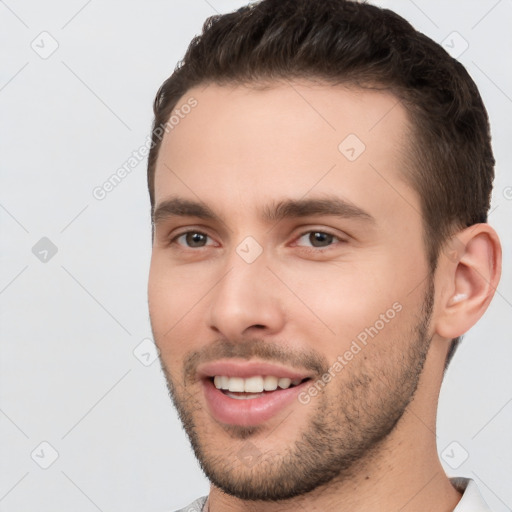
x=253, y=385
x=236, y=384
x=243, y=396
x=284, y=383
x=256, y=384
x=270, y=383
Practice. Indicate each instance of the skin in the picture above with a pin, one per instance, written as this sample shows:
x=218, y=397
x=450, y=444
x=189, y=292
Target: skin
x=242, y=149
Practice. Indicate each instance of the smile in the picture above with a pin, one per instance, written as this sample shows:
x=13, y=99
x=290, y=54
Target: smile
x=249, y=393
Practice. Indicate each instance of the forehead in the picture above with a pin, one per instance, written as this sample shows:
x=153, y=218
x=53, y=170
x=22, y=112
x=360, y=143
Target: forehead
x=244, y=144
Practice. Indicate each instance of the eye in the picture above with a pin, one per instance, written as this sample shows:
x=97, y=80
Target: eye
x=192, y=239
x=318, y=239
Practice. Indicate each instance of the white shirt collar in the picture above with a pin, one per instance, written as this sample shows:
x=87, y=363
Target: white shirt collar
x=471, y=500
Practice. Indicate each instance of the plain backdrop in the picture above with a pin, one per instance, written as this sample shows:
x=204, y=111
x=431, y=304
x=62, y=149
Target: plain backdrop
x=85, y=420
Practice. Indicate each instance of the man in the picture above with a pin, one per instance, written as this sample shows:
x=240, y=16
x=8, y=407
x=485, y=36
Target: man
x=320, y=178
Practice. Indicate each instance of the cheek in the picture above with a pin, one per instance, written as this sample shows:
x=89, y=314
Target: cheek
x=174, y=298
x=364, y=298
x=174, y=289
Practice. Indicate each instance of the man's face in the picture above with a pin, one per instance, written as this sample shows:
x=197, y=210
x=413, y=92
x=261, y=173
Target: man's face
x=288, y=252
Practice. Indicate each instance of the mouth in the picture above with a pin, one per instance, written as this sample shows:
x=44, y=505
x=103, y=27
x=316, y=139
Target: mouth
x=250, y=393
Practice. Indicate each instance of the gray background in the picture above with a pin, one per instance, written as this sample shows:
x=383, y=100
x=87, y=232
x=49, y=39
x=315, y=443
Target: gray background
x=75, y=370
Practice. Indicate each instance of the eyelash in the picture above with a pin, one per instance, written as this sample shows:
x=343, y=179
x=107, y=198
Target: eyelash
x=175, y=239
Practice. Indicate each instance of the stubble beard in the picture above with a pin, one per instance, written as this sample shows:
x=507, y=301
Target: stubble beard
x=346, y=428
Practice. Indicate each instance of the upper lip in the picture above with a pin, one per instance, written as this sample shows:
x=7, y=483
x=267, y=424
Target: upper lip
x=246, y=369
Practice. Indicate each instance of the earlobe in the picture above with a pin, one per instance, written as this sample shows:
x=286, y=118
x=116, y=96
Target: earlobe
x=469, y=281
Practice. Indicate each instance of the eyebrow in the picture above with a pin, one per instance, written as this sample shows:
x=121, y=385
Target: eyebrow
x=178, y=207
x=332, y=205
x=276, y=211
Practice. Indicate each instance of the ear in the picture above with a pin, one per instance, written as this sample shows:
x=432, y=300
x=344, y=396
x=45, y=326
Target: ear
x=470, y=270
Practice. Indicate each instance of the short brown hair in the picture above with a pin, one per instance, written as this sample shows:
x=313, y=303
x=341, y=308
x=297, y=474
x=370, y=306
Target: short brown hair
x=346, y=42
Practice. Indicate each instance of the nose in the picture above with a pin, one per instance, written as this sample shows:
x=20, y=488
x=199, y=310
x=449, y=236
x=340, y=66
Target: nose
x=245, y=301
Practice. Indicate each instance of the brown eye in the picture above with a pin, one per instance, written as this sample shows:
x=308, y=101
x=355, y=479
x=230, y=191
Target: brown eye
x=320, y=239
x=192, y=239
x=316, y=239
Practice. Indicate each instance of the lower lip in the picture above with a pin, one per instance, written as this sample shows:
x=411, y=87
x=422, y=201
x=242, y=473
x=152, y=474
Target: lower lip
x=251, y=411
